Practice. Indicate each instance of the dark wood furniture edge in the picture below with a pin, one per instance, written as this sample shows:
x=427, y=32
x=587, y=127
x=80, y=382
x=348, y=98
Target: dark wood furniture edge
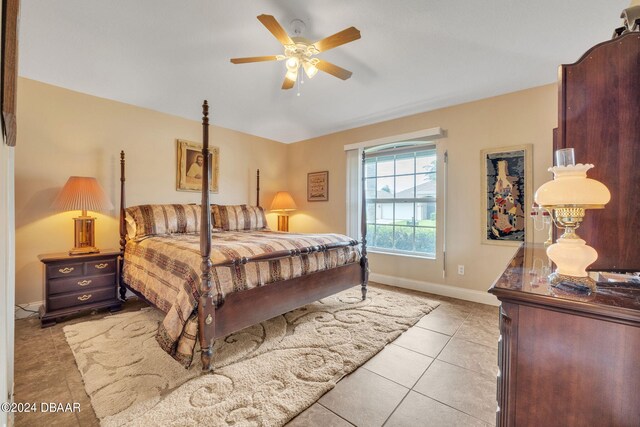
x=596, y=46
x=10, y=18
x=562, y=85
x=507, y=374
x=584, y=308
x=60, y=256
x=48, y=320
x=207, y=307
x=122, y=229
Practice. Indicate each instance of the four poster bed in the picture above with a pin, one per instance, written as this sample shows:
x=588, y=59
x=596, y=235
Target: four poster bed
x=247, y=274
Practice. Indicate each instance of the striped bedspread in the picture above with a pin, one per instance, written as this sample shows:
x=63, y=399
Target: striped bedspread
x=166, y=270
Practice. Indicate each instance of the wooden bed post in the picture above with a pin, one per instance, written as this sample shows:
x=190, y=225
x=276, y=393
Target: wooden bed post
x=364, y=262
x=123, y=229
x=258, y=188
x=207, y=305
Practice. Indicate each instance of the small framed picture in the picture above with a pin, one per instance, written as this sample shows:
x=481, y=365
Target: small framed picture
x=190, y=166
x=318, y=186
x=506, y=194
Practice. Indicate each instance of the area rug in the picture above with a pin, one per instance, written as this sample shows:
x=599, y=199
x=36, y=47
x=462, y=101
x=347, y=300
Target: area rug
x=264, y=375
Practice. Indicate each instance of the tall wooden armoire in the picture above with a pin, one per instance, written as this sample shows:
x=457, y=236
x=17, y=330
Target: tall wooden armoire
x=599, y=116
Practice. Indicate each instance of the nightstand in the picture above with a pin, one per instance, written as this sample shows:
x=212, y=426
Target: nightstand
x=73, y=283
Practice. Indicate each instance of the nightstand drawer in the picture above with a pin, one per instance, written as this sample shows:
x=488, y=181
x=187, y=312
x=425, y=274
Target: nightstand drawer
x=65, y=270
x=77, y=299
x=80, y=284
x=103, y=266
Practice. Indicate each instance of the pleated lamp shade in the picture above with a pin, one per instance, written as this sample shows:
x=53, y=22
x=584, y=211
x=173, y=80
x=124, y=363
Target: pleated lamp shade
x=82, y=193
x=283, y=202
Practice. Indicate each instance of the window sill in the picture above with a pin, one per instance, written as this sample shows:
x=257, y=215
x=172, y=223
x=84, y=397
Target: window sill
x=400, y=254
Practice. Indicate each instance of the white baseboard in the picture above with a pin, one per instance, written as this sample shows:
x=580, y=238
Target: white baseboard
x=23, y=314
x=435, y=288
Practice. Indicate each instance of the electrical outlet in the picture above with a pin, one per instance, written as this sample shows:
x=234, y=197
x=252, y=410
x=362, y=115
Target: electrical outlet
x=461, y=270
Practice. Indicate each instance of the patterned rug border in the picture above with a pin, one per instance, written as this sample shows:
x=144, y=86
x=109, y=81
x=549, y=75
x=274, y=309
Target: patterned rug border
x=112, y=374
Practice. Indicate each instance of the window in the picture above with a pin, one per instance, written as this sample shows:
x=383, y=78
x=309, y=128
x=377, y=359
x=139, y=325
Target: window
x=400, y=185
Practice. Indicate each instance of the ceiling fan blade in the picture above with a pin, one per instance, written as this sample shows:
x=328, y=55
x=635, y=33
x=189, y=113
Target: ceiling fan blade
x=288, y=83
x=334, y=70
x=344, y=36
x=254, y=59
x=275, y=28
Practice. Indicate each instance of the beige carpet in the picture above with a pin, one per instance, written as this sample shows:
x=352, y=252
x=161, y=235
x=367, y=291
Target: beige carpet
x=264, y=375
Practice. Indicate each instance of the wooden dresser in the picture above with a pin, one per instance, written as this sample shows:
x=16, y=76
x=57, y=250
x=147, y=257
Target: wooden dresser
x=79, y=282
x=565, y=359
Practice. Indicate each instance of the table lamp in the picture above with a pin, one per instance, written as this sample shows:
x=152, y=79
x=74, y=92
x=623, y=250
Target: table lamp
x=283, y=203
x=84, y=194
x=567, y=197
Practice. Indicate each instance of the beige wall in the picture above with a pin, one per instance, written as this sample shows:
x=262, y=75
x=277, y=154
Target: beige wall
x=525, y=117
x=63, y=133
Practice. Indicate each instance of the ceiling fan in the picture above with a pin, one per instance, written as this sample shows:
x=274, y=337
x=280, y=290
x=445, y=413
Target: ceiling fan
x=299, y=52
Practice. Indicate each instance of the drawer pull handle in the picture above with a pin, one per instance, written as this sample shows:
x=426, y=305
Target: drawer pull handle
x=84, y=283
x=66, y=270
x=101, y=266
x=84, y=297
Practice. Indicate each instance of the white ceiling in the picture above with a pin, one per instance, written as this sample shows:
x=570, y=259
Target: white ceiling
x=414, y=55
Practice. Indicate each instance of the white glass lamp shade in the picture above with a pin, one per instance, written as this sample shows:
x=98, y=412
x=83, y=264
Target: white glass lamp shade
x=291, y=75
x=310, y=69
x=292, y=64
x=571, y=187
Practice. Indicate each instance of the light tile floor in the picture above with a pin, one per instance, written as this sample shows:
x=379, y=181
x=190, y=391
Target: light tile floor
x=441, y=372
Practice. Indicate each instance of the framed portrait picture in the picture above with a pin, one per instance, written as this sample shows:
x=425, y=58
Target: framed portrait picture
x=318, y=186
x=506, y=194
x=190, y=166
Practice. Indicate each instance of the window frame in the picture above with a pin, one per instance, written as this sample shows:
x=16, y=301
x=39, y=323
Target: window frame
x=396, y=149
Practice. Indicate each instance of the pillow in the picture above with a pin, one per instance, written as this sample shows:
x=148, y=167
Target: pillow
x=239, y=217
x=151, y=220
x=131, y=225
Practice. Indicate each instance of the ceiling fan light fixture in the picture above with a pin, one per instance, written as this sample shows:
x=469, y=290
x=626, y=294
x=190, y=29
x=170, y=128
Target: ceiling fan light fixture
x=292, y=75
x=300, y=52
x=309, y=69
x=293, y=64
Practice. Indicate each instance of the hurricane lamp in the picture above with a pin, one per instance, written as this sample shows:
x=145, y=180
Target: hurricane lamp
x=567, y=198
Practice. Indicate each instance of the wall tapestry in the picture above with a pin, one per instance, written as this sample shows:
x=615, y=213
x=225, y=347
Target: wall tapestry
x=506, y=194
x=190, y=166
